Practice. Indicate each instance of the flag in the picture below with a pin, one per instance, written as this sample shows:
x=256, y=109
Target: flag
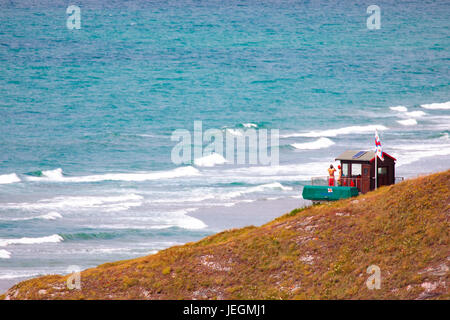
x=378, y=148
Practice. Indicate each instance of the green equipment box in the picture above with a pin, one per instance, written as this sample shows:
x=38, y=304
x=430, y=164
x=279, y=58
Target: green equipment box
x=325, y=193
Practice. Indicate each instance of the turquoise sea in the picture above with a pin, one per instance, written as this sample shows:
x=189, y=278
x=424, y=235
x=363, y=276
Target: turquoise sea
x=86, y=115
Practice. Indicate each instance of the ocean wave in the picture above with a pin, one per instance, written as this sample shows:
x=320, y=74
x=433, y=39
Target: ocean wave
x=4, y=254
x=255, y=189
x=203, y=195
x=250, y=125
x=416, y=114
x=399, y=108
x=210, y=160
x=163, y=220
x=192, y=198
x=79, y=202
x=407, y=122
x=15, y=275
x=318, y=144
x=336, y=132
x=89, y=236
x=182, y=220
x=49, y=216
x=58, y=176
x=309, y=168
x=9, y=178
x=47, y=239
x=235, y=132
x=437, y=106
x=413, y=152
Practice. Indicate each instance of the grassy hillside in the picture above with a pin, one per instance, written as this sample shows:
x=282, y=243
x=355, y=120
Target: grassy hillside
x=321, y=252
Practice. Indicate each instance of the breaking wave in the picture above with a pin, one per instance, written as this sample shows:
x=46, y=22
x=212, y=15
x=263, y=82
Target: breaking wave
x=9, y=178
x=52, y=238
x=399, y=108
x=437, y=106
x=5, y=254
x=49, y=216
x=318, y=144
x=78, y=202
x=336, y=132
x=250, y=125
x=407, y=122
x=210, y=160
x=58, y=176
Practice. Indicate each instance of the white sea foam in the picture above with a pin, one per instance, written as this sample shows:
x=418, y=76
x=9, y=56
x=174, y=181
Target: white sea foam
x=4, y=254
x=317, y=144
x=210, y=160
x=52, y=238
x=274, y=172
x=193, y=198
x=78, y=202
x=9, y=178
x=235, y=132
x=407, y=122
x=18, y=275
x=201, y=195
x=255, y=189
x=437, y=106
x=186, y=222
x=413, y=152
x=336, y=132
x=57, y=175
x=250, y=125
x=53, y=174
x=179, y=218
x=49, y=216
x=399, y=108
x=416, y=114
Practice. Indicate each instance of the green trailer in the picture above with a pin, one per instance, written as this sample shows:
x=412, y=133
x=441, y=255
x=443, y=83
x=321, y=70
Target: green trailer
x=326, y=193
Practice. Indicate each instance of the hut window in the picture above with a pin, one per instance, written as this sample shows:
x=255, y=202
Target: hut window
x=382, y=170
x=345, y=169
x=356, y=169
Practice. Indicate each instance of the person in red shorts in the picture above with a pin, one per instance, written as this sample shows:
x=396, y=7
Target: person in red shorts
x=339, y=179
x=331, y=172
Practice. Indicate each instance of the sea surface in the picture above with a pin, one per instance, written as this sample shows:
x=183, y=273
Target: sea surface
x=86, y=115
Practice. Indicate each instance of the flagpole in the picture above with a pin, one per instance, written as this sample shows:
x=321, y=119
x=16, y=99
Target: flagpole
x=376, y=170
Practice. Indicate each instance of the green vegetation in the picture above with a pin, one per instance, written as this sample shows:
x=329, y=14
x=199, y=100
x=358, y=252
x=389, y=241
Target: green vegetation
x=320, y=252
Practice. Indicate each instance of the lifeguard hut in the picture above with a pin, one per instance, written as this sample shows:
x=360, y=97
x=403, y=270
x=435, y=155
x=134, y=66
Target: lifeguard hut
x=358, y=169
x=358, y=176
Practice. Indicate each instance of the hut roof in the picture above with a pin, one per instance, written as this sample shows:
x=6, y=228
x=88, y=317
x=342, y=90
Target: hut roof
x=356, y=155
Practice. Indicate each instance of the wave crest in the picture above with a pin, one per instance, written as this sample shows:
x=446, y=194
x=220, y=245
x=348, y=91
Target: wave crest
x=210, y=160
x=336, y=132
x=5, y=254
x=407, y=122
x=318, y=144
x=25, y=240
x=437, y=106
x=58, y=176
x=9, y=178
